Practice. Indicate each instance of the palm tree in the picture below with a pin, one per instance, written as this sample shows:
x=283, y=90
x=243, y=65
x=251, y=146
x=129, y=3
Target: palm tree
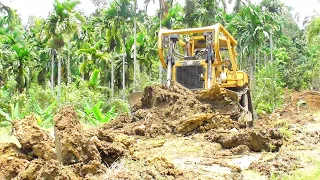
x=238, y=4
x=120, y=12
x=60, y=24
x=313, y=29
x=11, y=16
x=248, y=27
x=162, y=9
x=135, y=47
x=273, y=6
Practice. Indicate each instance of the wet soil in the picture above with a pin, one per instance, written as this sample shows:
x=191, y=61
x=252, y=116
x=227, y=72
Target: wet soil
x=255, y=139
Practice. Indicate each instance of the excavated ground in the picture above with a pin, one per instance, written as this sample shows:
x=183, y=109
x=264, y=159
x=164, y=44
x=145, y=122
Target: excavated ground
x=170, y=134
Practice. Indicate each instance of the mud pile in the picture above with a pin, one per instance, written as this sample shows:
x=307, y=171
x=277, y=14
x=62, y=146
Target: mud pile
x=161, y=111
x=256, y=140
x=83, y=154
x=178, y=110
x=175, y=111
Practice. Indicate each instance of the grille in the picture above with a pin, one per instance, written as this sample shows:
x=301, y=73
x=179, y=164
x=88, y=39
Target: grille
x=189, y=76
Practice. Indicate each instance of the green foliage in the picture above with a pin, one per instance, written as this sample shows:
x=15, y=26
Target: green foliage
x=313, y=30
x=294, y=70
x=45, y=116
x=119, y=105
x=97, y=42
x=8, y=117
x=269, y=91
x=300, y=174
x=95, y=78
x=95, y=115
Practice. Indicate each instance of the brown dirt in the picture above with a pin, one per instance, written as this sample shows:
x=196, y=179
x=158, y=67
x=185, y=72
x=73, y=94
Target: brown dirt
x=280, y=163
x=201, y=117
x=176, y=111
x=12, y=161
x=256, y=139
x=85, y=154
x=35, y=142
x=77, y=147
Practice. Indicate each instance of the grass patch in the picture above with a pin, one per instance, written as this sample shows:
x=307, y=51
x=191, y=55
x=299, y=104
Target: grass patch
x=283, y=127
x=285, y=132
x=301, y=174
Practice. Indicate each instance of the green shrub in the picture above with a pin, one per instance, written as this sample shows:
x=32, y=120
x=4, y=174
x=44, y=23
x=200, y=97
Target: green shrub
x=268, y=94
x=94, y=114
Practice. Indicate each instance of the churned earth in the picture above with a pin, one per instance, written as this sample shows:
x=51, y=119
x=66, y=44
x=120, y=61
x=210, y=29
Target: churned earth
x=170, y=134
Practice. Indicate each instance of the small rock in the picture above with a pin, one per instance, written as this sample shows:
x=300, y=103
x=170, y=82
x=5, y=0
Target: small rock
x=140, y=130
x=234, y=130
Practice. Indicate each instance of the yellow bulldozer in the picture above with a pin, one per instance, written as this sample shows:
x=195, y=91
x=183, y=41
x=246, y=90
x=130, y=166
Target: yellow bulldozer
x=204, y=59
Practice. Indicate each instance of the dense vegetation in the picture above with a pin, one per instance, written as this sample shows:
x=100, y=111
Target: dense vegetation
x=93, y=62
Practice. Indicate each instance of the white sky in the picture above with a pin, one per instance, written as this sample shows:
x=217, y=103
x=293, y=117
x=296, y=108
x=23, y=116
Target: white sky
x=43, y=7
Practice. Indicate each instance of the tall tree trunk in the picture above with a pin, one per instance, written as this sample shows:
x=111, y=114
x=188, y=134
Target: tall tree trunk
x=265, y=60
x=150, y=71
x=123, y=69
x=52, y=70
x=68, y=65
x=112, y=79
x=258, y=60
x=273, y=75
x=135, y=52
x=59, y=79
x=240, y=61
x=251, y=69
x=255, y=61
x=271, y=47
x=160, y=19
x=82, y=62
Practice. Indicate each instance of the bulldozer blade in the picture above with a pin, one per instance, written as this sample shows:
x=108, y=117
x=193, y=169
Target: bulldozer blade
x=233, y=95
x=134, y=97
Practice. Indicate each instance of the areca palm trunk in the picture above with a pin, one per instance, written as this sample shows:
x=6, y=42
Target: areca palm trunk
x=123, y=74
x=112, y=79
x=59, y=79
x=160, y=19
x=52, y=70
x=68, y=65
x=273, y=75
x=123, y=67
x=82, y=62
x=135, y=49
x=135, y=57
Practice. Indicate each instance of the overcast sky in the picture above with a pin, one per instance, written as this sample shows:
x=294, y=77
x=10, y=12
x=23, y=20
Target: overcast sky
x=43, y=7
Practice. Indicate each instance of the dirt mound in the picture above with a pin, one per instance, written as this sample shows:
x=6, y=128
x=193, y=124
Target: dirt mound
x=35, y=142
x=75, y=147
x=161, y=111
x=84, y=154
x=51, y=170
x=164, y=167
x=12, y=161
x=176, y=110
x=299, y=107
x=256, y=139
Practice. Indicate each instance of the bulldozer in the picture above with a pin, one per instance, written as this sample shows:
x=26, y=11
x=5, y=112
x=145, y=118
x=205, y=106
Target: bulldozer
x=204, y=59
